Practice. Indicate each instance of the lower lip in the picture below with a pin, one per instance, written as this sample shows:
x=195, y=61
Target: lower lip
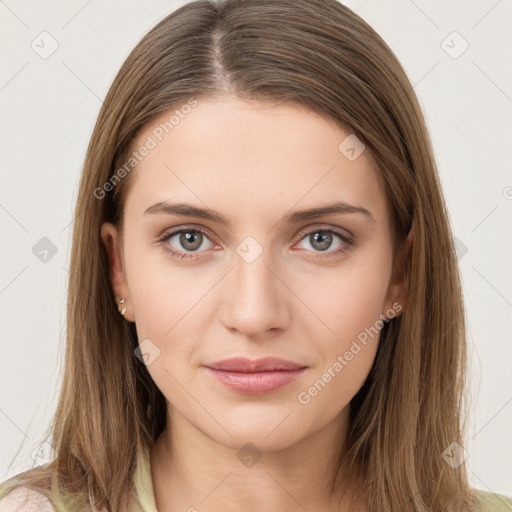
x=256, y=383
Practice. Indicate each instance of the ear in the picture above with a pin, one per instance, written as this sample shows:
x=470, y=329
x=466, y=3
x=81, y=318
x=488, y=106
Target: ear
x=396, y=296
x=111, y=239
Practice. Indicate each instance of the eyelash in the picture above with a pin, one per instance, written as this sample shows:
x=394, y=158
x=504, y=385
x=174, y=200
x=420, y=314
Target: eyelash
x=348, y=242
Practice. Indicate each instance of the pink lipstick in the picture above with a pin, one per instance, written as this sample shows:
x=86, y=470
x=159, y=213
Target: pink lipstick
x=255, y=377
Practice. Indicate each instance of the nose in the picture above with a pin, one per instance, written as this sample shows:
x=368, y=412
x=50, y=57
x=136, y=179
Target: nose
x=256, y=297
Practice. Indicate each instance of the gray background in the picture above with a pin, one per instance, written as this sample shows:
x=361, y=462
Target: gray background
x=49, y=106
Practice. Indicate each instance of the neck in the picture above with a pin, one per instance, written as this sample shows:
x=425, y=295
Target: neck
x=193, y=471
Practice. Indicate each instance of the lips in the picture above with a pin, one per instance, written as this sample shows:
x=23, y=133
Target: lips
x=266, y=364
x=255, y=377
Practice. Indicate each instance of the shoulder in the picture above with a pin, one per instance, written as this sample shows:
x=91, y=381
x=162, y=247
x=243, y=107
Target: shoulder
x=24, y=499
x=490, y=501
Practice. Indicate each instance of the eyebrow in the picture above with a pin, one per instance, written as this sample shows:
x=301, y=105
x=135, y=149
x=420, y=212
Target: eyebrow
x=189, y=210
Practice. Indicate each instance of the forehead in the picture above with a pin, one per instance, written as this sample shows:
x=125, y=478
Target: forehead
x=253, y=156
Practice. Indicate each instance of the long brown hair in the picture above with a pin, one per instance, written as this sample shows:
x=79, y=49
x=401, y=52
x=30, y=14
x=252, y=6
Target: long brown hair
x=322, y=55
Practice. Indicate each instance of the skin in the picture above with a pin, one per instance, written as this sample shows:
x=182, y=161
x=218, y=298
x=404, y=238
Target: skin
x=253, y=162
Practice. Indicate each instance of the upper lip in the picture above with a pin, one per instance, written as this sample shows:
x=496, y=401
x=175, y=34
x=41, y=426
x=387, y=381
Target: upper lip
x=265, y=364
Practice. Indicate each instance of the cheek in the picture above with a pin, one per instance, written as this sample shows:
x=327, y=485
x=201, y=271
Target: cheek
x=172, y=309
x=165, y=297
x=345, y=330
x=351, y=309
x=344, y=301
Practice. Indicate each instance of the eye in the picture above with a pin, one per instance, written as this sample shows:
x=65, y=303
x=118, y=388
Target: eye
x=190, y=242
x=320, y=240
x=187, y=239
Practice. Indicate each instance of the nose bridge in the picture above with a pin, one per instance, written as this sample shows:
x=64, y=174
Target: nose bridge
x=255, y=302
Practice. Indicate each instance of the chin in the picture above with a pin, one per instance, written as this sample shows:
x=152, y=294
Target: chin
x=268, y=432
x=250, y=440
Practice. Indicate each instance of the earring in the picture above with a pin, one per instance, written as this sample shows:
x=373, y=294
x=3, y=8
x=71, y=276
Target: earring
x=123, y=311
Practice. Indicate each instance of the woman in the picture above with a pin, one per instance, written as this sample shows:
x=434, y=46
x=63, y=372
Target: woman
x=258, y=318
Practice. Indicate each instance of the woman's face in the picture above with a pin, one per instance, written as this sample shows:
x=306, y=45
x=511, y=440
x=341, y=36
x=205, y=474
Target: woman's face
x=255, y=279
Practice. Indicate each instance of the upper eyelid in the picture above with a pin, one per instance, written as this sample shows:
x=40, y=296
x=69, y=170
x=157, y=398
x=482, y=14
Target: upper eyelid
x=167, y=233
x=309, y=229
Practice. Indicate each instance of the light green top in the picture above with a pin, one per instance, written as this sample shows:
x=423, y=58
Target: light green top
x=144, y=498
x=143, y=487
x=492, y=502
